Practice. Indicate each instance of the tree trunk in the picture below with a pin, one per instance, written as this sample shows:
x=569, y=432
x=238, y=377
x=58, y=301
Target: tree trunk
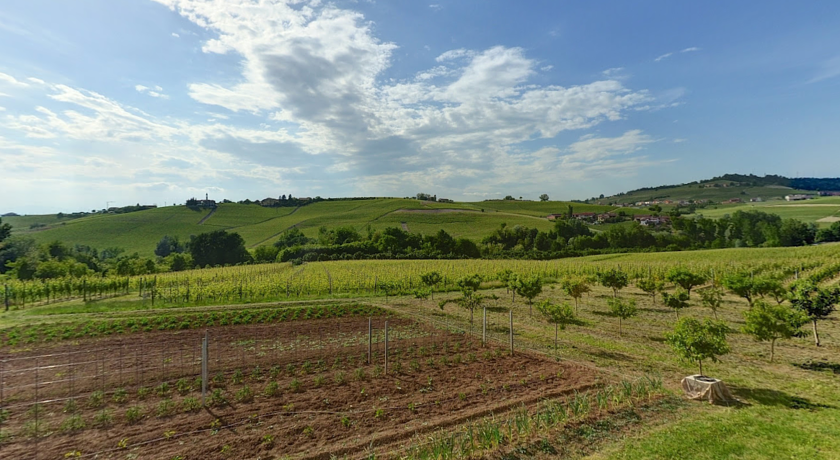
x=615, y=293
x=619, y=326
x=816, y=334
x=576, y=305
x=715, y=312
x=555, y=337
x=772, y=348
x=701, y=366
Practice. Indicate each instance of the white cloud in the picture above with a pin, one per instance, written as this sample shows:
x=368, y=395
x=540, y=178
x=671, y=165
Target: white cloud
x=11, y=80
x=175, y=35
x=688, y=50
x=155, y=91
x=664, y=56
x=830, y=68
x=546, y=68
x=452, y=55
x=436, y=7
x=679, y=140
x=141, y=88
x=37, y=81
x=615, y=71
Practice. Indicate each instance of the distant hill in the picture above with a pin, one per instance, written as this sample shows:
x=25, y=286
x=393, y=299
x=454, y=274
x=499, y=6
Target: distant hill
x=725, y=187
x=140, y=231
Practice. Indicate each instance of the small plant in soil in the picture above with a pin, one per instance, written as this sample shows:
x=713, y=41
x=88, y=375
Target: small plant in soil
x=219, y=380
x=377, y=371
x=216, y=425
x=412, y=407
x=133, y=415
x=398, y=367
x=236, y=378
x=191, y=404
x=457, y=359
x=471, y=357
x=306, y=367
x=379, y=413
x=290, y=369
x=165, y=408
x=96, y=399
x=245, y=395
x=431, y=363
x=225, y=449
x=346, y=421
x=336, y=362
x=359, y=374
x=414, y=365
x=267, y=441
x=318, y=380
x=272, y=389
x=274, y=372
x=340, y=377
x=120, y=396
x=295, y=386
x=162, y=390
x=103, y=418
x=183, y=386
x=217, y=398
x=123, y=444
x=308, y=431
x=70, y=407
x=73, y=423
x=256, y=373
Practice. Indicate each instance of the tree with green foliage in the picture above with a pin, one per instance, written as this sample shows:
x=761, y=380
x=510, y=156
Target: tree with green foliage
x=266, y=254
x=696, y=341
x=622, y=309
x=469, y=299
x=575, y=288
x=219, y=248
x=5, y=230
x=685, y=278
x=291, y=237
x=742, y=285
x=651, y=286
x=168, y=245
x=676, y=301
x=544, y=197
x=469, y=284
x=560, y=315
x=766, y=322
x=614, y=279
x=712, y=298
x=815, y=302
x=528, y=287
x=431, y=279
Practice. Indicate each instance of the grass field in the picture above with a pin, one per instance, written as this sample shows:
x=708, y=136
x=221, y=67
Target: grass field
x=699, y=192
x=140, y=231
x=819, y=210
x=788, y=408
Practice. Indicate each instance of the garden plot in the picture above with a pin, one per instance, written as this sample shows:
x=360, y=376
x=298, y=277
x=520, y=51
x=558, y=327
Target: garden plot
x=304, y=389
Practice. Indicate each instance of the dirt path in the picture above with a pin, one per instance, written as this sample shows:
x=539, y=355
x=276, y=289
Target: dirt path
x=204, y=219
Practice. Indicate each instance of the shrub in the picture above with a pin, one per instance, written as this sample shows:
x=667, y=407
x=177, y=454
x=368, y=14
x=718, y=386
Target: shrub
x=272, y=389
x=245, y=395
x=96, y=399
x=133, y=415
x=295, y=386
x=191, y=404
x=73, y=423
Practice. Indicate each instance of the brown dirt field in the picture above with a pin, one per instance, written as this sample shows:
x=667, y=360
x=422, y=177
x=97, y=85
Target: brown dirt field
x=342, y=405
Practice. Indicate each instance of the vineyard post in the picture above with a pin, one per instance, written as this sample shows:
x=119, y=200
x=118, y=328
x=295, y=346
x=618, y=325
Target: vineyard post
x=37, y=409
x=370, y=340
x=484, y=328
x=386, y=347
x=511, y=332
x=204, y=368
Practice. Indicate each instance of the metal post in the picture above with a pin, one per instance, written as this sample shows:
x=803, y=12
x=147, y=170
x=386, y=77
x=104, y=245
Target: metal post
x=386, y=347
x=511, y=332
x=370, y=340
x=204, y=369
x=484, y=328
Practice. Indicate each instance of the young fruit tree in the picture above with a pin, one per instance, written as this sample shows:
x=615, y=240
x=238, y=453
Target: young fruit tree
x=529, y=287
x=651, y=286
x=575, y=288
x=614, y=279
x=712, y=298
x=685, y=278
x=745, y=285
x=815, y=302
x=559, y=315
x=677, y=301
x=697, y=341
x=431, y=280
x=766, y=322
x=622, y=309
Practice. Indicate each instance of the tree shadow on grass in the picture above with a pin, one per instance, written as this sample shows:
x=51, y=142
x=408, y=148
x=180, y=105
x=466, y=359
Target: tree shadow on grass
x=656, y=310
x=768, y=397
x=615, y=356
x=819, y=366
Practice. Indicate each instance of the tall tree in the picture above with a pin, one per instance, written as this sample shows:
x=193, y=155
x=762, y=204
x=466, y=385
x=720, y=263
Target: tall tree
x=697, y=341
x=544, y=197
x=5, y=230
x=817, y=303
x=218, y=248
x=767, y=322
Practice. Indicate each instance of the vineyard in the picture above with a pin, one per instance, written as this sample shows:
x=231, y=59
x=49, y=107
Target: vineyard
x=270, y=282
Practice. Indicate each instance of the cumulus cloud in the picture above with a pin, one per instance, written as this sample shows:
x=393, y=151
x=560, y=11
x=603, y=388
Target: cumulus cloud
x=155, y=91
x=10, y=80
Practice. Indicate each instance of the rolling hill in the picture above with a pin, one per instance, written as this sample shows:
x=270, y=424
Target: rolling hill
x=140, y=231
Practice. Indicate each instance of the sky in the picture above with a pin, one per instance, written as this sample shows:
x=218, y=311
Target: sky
x=114, y=103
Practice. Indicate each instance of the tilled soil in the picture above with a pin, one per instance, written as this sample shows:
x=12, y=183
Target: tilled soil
x=329, y=403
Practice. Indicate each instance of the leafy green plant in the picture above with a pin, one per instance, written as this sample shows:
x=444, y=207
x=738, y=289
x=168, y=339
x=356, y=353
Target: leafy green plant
x=165, y=408
x=695, y=341
x=318, y=380
x=245, y=395
x=96, y=399
x=120, y=396
x=162, y=390
x=183, y=386
x=359, y=374
x=217, y=398
x=272, y=389
x=70, y=407
x=190, y=404
x=73, y=423
x=103, y=418
x=133, y=415
x=237, y=377
x=345, y=421
x=340, y=377
x=295, y=386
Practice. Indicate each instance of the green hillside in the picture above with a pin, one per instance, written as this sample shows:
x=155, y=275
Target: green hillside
x=718, y=190
x=822, y=211
x=140, y=231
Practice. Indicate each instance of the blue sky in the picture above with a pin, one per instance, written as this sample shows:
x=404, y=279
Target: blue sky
x=155, y=101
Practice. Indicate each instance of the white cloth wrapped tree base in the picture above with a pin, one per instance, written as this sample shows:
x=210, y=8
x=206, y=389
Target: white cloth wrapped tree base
x=702, y=388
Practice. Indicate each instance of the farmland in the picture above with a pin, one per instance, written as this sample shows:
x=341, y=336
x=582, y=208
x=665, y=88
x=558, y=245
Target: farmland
x=140, y=231
x=285, y=340
x=822, y=211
